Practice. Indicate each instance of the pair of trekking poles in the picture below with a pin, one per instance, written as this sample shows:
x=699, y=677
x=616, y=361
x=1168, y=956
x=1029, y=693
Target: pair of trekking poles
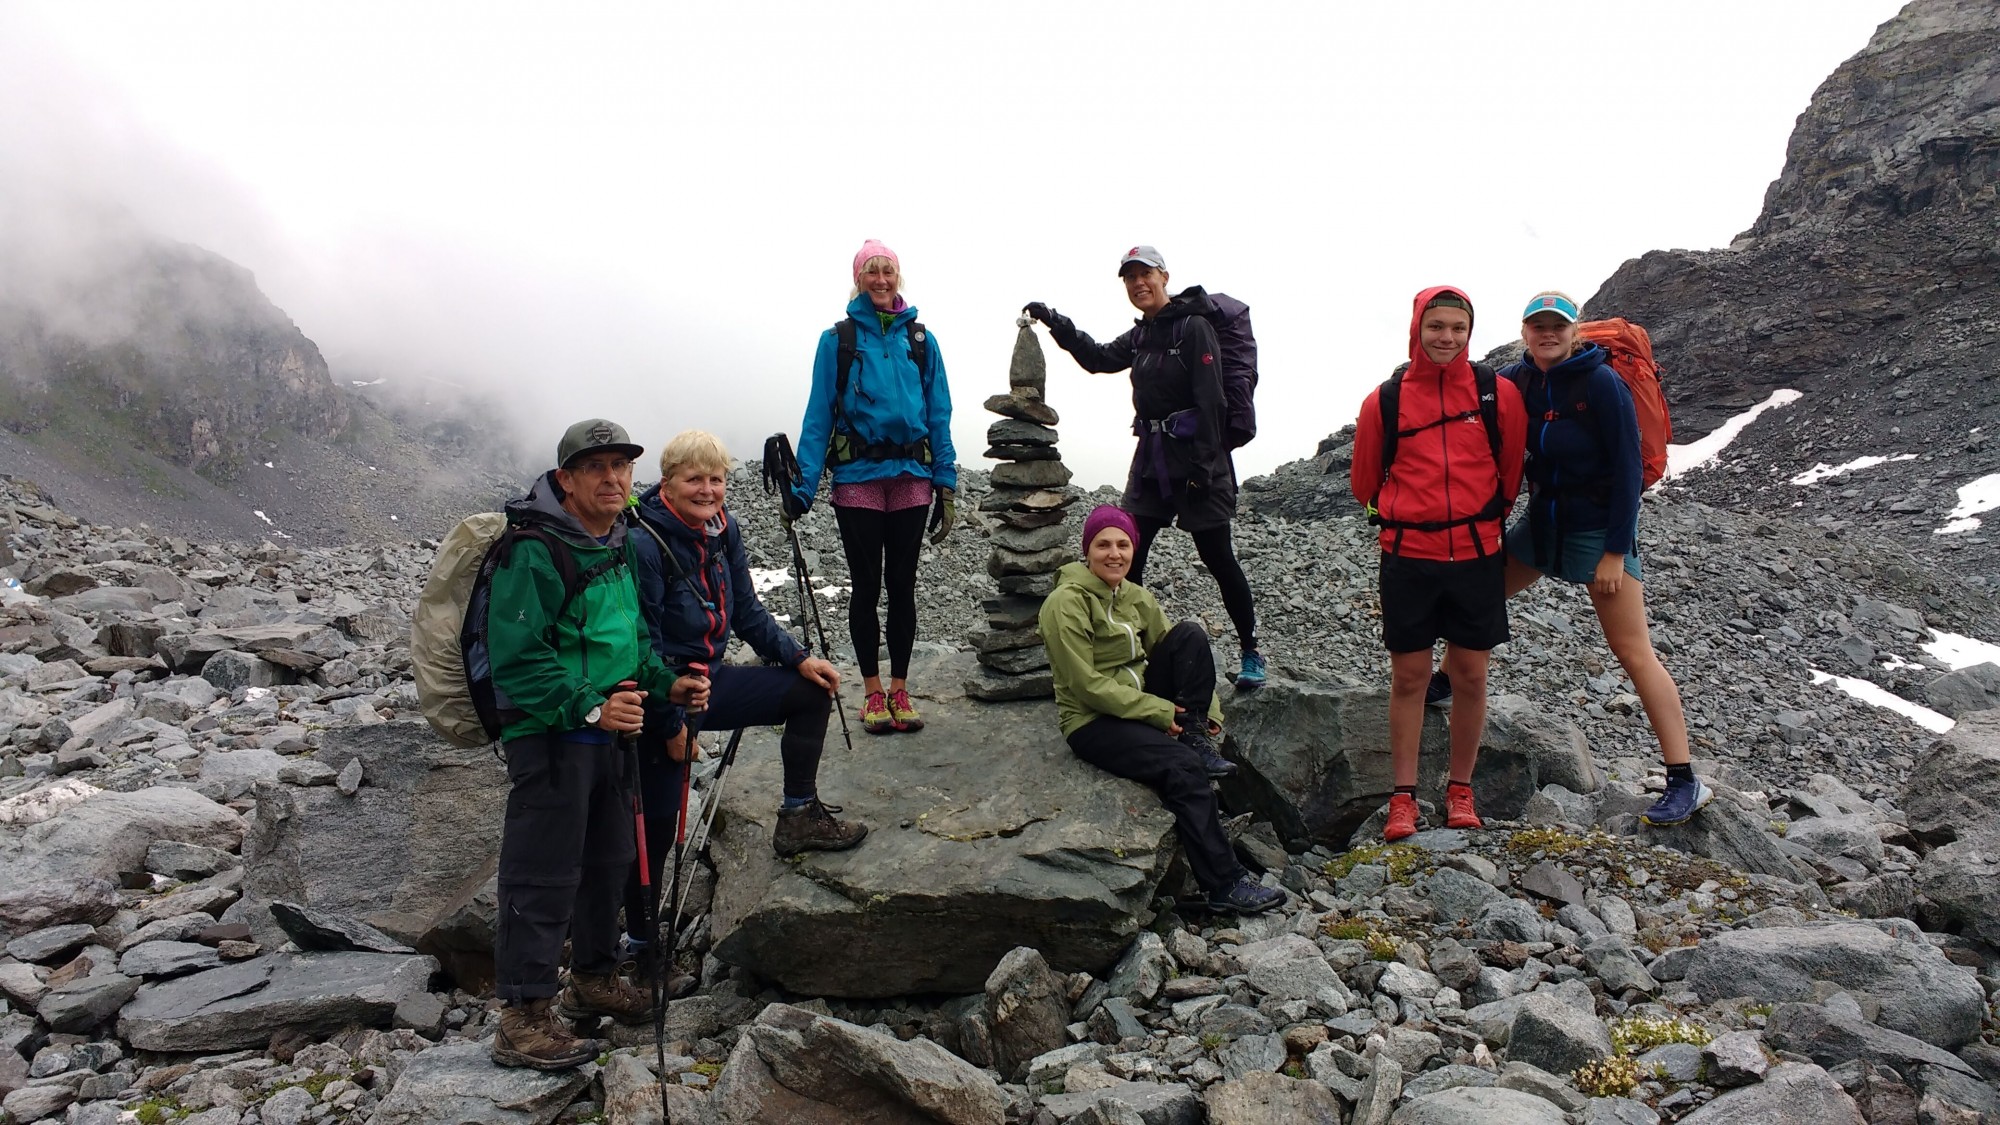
x=781, y=475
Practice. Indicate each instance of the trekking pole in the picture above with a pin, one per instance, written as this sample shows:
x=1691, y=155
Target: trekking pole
x=649, y=905
x=781, y=475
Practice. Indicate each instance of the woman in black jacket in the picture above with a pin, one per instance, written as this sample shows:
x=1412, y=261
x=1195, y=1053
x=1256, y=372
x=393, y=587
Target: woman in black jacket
x=1181, y=471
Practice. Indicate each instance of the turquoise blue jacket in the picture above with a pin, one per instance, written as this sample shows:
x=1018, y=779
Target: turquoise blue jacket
x=886, y=402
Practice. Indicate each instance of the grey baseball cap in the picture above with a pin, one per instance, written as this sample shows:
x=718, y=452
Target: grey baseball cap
x=591, y=435
x=1144, y=255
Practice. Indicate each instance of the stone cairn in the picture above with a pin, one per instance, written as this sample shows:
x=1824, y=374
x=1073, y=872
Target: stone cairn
x=1030, y=541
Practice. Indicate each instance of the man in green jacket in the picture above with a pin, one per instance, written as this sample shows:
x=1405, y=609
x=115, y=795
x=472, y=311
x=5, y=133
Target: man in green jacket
x=564, y=659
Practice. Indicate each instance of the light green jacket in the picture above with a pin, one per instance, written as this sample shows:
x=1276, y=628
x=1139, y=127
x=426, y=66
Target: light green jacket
x=1098, y=638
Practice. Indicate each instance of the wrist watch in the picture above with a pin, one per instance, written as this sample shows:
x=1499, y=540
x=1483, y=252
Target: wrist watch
x=591, y=716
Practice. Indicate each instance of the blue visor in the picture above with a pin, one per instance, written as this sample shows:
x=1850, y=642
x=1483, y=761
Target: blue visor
x=1555, y=303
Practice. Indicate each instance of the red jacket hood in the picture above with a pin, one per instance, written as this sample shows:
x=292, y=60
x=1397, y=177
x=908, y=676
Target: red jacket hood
x=1421, y=363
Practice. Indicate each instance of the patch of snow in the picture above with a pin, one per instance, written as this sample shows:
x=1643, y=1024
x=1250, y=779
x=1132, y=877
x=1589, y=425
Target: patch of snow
x=268, y=465
x=1685, y=458
x=832, y=592
x=1823, y=470
x=1892, y=662
x=1982, y=495
x=393, y=519
x=763, y=580
x=260, y=515
x=1961, y=652
x=369, y=383
x=1868, y=693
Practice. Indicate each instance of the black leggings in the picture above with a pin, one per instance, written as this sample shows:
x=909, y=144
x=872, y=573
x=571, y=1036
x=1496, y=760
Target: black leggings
x=1218, y=554
x=882, y=545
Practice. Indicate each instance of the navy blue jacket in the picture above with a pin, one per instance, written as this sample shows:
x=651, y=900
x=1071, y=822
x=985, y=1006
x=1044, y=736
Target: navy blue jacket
x=1583, y=448
x=691, y=621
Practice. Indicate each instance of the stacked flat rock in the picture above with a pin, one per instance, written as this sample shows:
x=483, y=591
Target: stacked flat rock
x=1030, y=543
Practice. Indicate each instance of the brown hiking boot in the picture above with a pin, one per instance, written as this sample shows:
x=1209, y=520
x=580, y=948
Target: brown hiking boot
x=610, y=995
x=680, y=985
x=530, y=1035
x=811, y=827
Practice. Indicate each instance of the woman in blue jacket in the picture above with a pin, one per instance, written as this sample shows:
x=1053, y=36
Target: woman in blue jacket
x=880, y=418
x=1582, y=519
x=695, y=591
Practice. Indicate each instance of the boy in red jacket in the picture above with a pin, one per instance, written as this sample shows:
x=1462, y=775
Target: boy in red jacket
x=1439, y=483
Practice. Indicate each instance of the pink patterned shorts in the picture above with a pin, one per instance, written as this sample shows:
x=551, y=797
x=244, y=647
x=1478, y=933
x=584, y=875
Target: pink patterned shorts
x=892, y=495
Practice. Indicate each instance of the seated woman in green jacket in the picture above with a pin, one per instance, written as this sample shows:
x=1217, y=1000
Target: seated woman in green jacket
x=1136, y=698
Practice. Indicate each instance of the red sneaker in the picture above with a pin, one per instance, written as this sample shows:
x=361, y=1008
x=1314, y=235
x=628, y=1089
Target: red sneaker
x=1458, y=811
x=1402, y=818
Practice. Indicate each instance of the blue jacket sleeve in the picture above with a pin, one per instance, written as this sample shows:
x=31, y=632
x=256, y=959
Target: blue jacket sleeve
x=937, y=419
x=1618, y=430
x=817, y=427
x=747, y=616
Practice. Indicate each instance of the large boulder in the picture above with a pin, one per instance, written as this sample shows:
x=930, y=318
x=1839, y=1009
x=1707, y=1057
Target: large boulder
x=1791, y=1094
x=1316, y=758
x=399, y=855
x=1953, y=792
x=105, y=837
x=1961, y=882
x=1830, y=1038
x=1965, y=691
x=1921, y=994
x=241, y=1005
x=986, y=834
x=1262, y=1097
x=792, y=1065
x=1486, y=1105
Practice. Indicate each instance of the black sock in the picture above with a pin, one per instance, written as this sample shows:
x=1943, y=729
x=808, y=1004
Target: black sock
x=1461, y=784
x=1407, y=790
x=1682, y=772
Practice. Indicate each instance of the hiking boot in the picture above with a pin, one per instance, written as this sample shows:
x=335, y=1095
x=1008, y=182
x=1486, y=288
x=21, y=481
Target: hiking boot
x=1246, y=896
x=609, y=995
x=902, y=713
x=1438, y=690
x=812, y=827
x=1211, y=760
x=1402, y=818
x=1679, y=803
x=636, y=969
x=1458, y=811
x=1251, y=676
x=875, y=716
x=530, y=1035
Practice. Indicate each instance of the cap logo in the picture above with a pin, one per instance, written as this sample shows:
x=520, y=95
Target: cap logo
x=1133, y=252
x=1548, y=302
x=602, y=434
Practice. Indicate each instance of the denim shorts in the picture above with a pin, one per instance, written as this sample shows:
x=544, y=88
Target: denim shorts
x=1580, y=552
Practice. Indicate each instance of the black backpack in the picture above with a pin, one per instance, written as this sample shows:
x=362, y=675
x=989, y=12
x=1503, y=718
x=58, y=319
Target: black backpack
x=1389, y=398
x=842, y=446
x=1231, y=320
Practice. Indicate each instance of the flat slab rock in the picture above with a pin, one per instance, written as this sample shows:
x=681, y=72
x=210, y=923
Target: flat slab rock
x=240, y=1005
x=461, y=1084
x=986, y=833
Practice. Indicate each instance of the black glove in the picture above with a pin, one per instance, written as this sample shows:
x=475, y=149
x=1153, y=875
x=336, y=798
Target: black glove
x=1038, y=311
x=794, y=506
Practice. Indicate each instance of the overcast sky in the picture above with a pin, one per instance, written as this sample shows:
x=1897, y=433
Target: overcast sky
x=648, y=211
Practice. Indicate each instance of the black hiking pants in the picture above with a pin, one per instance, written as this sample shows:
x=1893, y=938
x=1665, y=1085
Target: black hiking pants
x=564, y=850
x=737, y=697
x=882, y=548
x=1218, y=554
x=1180, y=668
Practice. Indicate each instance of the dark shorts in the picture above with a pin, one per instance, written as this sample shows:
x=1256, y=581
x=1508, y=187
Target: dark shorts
x=1424, y=600
x=1580, y=552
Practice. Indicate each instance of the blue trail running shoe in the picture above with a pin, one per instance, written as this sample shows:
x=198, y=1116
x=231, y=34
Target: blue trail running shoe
x=1251, y=676
x=1245, y=896
x=1438, y=690
x=1679, y=803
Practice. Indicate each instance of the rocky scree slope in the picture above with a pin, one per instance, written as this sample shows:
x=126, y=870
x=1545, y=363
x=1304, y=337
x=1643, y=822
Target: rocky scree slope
x=169, y=706
x=1869, y=283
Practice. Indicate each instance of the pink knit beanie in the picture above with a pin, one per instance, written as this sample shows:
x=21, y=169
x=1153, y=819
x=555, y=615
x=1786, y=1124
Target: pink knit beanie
x=1108, y=515
x=873, y=249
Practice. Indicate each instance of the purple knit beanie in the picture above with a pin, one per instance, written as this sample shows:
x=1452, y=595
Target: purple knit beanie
x=1107, y=515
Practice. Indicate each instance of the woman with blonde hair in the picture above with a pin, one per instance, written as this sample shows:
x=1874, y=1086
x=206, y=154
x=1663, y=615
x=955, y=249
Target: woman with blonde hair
x=880, y=417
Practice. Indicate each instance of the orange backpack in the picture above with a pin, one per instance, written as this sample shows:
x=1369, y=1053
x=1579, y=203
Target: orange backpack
x=1631, y=352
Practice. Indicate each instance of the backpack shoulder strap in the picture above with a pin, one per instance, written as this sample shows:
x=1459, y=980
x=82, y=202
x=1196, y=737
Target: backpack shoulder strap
x=846, y=355
x=1390, y=399
x=677, y=572
x=1487, y=384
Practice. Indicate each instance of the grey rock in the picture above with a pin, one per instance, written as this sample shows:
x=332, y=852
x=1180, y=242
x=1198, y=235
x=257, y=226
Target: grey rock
x=29, y=905
x=1964, y=691
x=234, y=773
x=1961, y=882
x=1791, y=1094
x=37, y=1103
x=1555, y=1036
x=1554, y=804
x=1251, y=1053
x=229, y=670
x=1730, y=833
x=106, y=836
x=1030, y=474
x=289, y=1106
x=1487, y=1106
x=1614, y=963
x=86, y=1002
x=167, y=959
x=1455, y=894
x=348, y=781
x=1509, y=920
x=1527, y=1078
x=52, y=943
x=1678, y=1061
x=1264, y=1098
x=1379, y=1093
x=187, y=862
x=461, y=1083
x=1850, y=836
x=1052, y=1066
x=1619, y=1111
x=1010, y=431
x=1920, y=992
x=1016, y=662
x=1141, y=970
x=1546, y=880
x=23, y=984
x=1954, y=787
x=1013, y=842
x=1445, y=1078
x=307, y=771
x=1026, y=1009
x=241, y=1005
x=1954, y=1095
x=1293, y=968
x=1735, y=1059
x=320, y=931
x=1829, y=1039
x=792, y=1065
x=1031, y=540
